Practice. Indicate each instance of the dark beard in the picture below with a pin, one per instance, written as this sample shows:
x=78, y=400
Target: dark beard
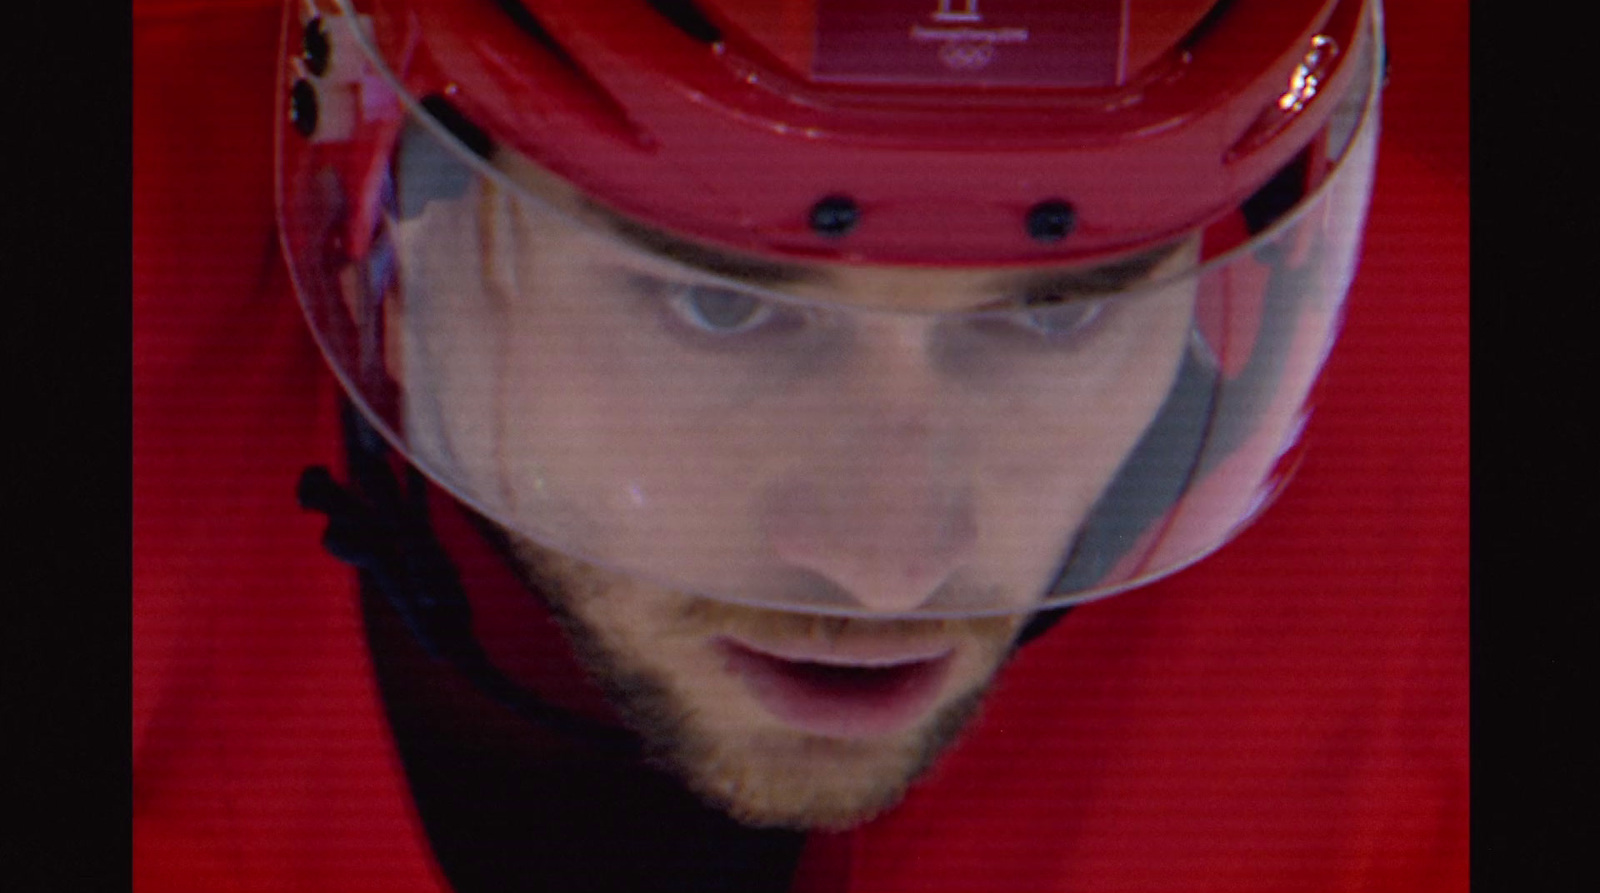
x=756, y=782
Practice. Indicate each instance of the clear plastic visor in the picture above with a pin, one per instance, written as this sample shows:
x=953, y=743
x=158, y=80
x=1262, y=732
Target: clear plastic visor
x=856, y=440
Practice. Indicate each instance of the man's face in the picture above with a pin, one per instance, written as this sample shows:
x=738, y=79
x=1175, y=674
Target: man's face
x=824, y=469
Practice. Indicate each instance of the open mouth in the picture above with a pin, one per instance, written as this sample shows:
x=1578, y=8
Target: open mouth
x=864, y=698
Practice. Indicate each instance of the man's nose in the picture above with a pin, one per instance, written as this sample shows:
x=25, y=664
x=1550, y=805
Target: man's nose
x=883, y=505
x=890, y=543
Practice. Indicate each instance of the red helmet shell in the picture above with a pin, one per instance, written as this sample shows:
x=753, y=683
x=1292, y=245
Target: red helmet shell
x=727, y=141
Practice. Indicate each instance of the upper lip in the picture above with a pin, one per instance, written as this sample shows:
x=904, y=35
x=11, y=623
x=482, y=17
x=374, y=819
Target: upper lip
x=865, y=653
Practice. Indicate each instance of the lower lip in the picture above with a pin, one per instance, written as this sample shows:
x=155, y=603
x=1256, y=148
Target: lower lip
x=839, y=702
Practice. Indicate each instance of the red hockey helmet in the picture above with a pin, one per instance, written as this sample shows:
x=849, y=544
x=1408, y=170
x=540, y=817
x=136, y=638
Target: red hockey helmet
x=887, y=306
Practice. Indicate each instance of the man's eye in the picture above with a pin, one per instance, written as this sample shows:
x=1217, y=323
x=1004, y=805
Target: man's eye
x=717, y=311
x=1055, y=317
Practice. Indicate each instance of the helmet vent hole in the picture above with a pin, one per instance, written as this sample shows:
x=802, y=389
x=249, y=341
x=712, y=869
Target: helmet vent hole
x=471, y=135
x=689, y=19
x=527, y=24
x=1204, y=26
x=1278, y=196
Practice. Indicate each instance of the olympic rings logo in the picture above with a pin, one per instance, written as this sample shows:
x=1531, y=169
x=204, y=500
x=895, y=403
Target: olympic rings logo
x=967, y=55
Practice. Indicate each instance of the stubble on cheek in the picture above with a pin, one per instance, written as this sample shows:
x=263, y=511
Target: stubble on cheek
x=649, y=650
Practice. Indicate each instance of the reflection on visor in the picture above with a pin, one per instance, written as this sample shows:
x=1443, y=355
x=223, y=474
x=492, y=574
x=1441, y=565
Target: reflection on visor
x=860, y=440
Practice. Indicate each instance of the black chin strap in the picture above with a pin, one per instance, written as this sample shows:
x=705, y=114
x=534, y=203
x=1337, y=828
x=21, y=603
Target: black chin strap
x=386, y=535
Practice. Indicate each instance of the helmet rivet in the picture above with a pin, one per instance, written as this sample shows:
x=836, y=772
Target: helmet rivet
x=1051, y=220
x=314, y=47
x=834, y=216
x=303, y=107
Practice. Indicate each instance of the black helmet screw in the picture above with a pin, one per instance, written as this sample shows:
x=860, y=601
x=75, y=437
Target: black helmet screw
x=1051, y=220
x=314, y=47
x=303, y=107
x=834, y=216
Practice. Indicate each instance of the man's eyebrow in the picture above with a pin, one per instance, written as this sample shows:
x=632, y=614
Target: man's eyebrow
x=1104, y=279
x=756, y=271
